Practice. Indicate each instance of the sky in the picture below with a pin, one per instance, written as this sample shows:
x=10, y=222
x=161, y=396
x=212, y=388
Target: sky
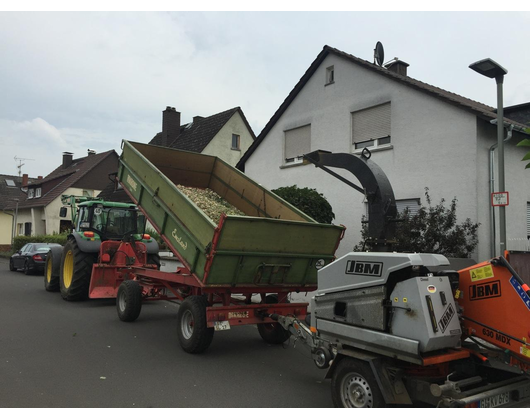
x=72, y=81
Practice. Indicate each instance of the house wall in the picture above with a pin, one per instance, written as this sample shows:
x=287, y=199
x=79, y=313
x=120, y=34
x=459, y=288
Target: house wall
x=221, y=144
x=6, y=229
x=434, y=145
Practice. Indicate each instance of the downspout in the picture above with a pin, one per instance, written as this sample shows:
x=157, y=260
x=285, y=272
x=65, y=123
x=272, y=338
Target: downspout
x=492, y=187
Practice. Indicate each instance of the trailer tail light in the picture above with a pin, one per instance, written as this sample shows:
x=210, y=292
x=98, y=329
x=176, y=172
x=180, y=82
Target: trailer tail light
x=313, y=330
x=146, y=236
x=88, y=234
x=37, y=257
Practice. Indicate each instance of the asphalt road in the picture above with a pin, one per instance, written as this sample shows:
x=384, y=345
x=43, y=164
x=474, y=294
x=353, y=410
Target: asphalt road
x=55, y=353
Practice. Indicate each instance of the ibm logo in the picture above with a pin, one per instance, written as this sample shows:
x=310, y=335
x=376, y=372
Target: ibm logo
x=364, y=268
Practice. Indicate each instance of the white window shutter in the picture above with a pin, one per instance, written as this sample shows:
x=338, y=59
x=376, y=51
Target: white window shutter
x=371, y=123
x=297, y=142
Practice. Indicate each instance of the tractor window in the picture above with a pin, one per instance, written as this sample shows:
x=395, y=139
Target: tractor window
x=99, y=219
x=84, y=221
x=121, y=222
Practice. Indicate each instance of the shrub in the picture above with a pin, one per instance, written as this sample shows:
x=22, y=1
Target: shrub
x=309, y=201
x=20, y=241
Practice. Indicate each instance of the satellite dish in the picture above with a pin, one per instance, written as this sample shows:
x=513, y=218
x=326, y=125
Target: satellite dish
x=379, y=54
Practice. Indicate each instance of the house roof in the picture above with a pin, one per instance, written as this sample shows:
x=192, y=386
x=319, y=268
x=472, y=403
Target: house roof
x=481, y=110
x=110, y=193
x=195, y=136
x=8, y=194
x=65, y=178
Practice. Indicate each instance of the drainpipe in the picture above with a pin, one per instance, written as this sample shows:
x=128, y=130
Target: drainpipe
x=492, y=187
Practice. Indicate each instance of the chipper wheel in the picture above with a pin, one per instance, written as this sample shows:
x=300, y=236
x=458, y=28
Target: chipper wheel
x=52, y=269
x=75, y=272
x=129, y=300
x=353, y=385
x=193, y=334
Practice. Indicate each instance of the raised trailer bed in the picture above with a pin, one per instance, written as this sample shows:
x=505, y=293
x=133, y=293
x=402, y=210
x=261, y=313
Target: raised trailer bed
x=272, y=251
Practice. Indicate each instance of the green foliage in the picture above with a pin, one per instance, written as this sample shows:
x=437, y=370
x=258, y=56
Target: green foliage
x=525, y=143
x=309, y=201
x=434, y=229
x=20, y=241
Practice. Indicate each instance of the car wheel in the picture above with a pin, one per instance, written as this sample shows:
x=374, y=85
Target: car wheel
x=12, y=265
x=27, y=270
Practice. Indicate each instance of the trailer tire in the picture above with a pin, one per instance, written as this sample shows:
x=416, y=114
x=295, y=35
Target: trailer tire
x=52, y=269
x=353, y=385
x=129, y=301
x=75, y=272
x=273, y=332
x=192, y=331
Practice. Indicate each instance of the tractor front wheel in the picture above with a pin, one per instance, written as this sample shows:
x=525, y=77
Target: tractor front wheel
x=52, y=270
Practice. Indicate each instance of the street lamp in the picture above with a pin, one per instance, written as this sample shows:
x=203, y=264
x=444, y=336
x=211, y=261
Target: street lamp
x=493, y=70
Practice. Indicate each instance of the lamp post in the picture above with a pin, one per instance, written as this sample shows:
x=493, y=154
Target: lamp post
x=493, y=70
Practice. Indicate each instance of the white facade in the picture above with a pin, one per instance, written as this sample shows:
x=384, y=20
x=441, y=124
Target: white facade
x=433, y=144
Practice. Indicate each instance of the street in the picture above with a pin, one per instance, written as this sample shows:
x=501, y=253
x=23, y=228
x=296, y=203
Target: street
x=55, y=353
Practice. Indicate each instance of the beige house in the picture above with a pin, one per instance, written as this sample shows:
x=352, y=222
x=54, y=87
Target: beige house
x=38, y=211
x=10, y=195
x=226, y=135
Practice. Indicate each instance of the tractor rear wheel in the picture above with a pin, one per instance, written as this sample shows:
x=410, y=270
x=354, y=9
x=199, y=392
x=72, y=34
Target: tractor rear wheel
x=75, y=272
x=273, y=332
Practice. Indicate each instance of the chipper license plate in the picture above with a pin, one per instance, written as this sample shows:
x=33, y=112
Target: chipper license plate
x=495, y=401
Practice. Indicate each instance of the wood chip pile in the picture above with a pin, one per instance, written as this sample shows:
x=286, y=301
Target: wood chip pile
x=210, y=202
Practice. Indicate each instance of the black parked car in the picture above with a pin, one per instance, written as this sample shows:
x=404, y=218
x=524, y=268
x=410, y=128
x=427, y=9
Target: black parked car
x=31, y=258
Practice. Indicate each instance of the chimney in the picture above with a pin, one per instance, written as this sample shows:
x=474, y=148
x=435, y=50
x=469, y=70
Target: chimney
x=24, y=180
x=398, y=66
x=67, y=159
x=170, y=125
x=39, y=177
x=197, y=119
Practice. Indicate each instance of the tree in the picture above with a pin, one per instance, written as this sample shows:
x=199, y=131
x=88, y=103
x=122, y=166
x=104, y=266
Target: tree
x=525, y=143
x=309, y=201
x=433, y=229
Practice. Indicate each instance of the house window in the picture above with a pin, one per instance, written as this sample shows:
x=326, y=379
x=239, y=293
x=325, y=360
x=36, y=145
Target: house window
x=371, y=127
x=236, y=139
x=413, y=204
x=38, y=192
x=528, y=220
x=31, y=193
x=20, y=228
x=297, y=143
x=330, y=75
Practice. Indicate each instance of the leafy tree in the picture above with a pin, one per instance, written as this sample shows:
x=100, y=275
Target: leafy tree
x=526, y=142
x=433, y=229
x=309, y=201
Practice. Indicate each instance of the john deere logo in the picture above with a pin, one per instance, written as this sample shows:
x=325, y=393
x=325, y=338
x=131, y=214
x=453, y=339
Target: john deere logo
x=364, y=268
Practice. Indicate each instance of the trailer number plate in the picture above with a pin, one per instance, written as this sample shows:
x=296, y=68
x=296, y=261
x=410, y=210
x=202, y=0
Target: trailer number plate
x=242, y=314
x=495, y=401
x=221, y=326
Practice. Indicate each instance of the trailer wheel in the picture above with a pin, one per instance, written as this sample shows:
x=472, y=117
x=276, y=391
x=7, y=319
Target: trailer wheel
x=129, y=301
x=353, y=385
x=273, y=332
x=193, y=334
x=52, y=269
x=75, y=272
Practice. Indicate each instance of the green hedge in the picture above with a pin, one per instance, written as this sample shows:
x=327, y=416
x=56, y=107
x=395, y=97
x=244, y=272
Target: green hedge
x=20, y=241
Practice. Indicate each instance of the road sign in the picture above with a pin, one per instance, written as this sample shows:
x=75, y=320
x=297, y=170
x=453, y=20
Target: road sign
x=500, y=199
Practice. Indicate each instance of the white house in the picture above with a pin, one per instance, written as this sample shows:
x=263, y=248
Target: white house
x=420, y=135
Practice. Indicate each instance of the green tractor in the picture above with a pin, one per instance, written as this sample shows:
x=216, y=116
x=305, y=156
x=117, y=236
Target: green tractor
x=94, y=221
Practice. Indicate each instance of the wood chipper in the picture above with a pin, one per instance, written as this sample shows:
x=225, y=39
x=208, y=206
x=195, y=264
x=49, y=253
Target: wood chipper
x=271, y=251
x=398, y=328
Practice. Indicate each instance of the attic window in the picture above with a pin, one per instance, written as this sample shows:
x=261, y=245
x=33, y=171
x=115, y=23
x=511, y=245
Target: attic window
x=330, y=75
x=38, y=192
x=236, y=140
x=10, y=183
x=31, y=193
